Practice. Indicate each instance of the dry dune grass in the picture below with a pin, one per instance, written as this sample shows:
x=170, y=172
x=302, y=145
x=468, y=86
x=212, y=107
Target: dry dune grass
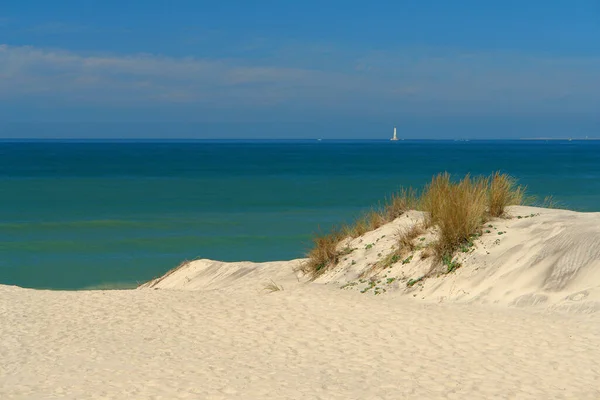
x=434, y=196
x=271, y=287
x=551, y=202
x=457, y=208
x=406, y=237
x=323, y=253
x=376, y=219
x=370, y=221
x=503, y=192
x=399, y=203
x=358, y=228
x=405, y=244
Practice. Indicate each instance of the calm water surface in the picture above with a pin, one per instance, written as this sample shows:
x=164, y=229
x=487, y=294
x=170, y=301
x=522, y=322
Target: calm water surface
x=80, y=215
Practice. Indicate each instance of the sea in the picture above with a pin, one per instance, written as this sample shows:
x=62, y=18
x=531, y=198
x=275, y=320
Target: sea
x=112, y=215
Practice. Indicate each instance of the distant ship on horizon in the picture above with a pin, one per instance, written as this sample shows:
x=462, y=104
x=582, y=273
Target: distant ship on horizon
x=394, y=137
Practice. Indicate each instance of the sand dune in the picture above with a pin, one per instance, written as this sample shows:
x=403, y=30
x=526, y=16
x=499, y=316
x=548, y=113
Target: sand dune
x=519, y=322
x=542, y=258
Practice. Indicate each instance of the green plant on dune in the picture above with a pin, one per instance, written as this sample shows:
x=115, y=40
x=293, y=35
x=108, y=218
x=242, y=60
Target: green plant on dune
x=451, y=265
x=413, y=282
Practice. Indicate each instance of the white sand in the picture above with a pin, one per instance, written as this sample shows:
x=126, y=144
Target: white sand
x=547, y=260
x=225, y=339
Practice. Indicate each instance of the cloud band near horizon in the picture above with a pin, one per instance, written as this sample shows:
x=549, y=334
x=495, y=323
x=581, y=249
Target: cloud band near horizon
x=411, y=81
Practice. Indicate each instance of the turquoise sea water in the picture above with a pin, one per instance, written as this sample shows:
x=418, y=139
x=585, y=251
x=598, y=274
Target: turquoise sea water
x=96, y=214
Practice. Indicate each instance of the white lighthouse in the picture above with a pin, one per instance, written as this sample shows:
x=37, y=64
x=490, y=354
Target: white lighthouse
x=394, y=137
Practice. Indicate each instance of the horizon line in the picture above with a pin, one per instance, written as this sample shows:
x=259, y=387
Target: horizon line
x=71, y=139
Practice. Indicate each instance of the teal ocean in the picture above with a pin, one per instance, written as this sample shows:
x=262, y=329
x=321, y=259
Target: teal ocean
x=79, y=215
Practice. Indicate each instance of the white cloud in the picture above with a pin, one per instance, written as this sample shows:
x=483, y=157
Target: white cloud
x=406, y=81
x=27, y=70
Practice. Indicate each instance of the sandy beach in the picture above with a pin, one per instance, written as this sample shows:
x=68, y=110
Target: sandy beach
x=209, y=331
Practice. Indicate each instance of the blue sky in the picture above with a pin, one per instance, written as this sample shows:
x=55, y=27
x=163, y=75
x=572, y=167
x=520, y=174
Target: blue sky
x=282, y=69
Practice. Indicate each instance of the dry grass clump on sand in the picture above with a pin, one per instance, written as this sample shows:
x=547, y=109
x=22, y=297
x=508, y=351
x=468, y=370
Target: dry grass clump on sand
x=551, y=202
x=271, y=287
x=399, y=203
x=358, y=228
x=460, y=208
x=324, y=252
x=404, y=245
x=406, y=238
x=503, y=192
x=457, y=208
x=435, y=196
x=377, y=217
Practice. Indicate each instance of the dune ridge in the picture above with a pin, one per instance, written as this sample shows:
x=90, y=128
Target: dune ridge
x=517, y=319
x=537, y=257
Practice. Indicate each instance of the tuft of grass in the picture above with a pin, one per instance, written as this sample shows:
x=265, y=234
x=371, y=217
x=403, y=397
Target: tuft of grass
x=404, y=245
x=406, y=199
x=503, y=192
x=406, y=238
x=272, y=287
x=376, y=219
x=369, y=221
x=346, y=250
x=324, y=253
x=551, y=202
x=358, y=228
x=434, y=197
x=428, y=252
x=458, y=209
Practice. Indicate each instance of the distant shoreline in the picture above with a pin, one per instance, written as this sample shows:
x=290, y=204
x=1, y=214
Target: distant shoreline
x=563, y=139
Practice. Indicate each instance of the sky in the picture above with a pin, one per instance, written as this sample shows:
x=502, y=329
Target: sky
x=299, y=69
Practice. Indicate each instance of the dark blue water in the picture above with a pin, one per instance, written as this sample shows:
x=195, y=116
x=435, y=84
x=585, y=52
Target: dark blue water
x=77, y=215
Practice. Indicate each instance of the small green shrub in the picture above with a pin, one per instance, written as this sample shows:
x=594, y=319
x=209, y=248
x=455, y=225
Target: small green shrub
x=413, y=282
x=451, y=264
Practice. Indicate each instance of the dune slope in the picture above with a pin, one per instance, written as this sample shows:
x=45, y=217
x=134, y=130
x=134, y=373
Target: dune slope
x=516, y=320
x=538, y=257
